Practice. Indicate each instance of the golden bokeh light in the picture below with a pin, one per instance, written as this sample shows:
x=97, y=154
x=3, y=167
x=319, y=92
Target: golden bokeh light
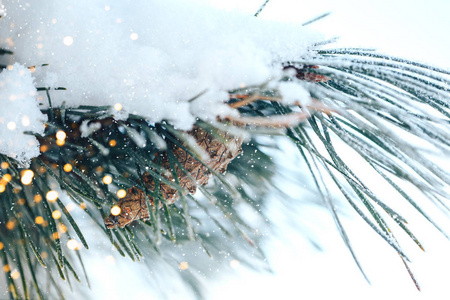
x=121, y=193
x=73, y=244
x=37, y=198
x=15, y=274
x=60, y=142
x=52, y=196
x=62, y=228
x=55, y=235
x=107, y=179
x=6, y=268
x=118, y=106
x=56, y=214
x=67, y=168
x=39, y=220
x=112, y=143
x=7, y=177
x=2, y=188
x=4, y=165
x=27, y=177
x=184, y=265
x=115, y=210
x=1, y=246
x=61, y=135
x=10, y=224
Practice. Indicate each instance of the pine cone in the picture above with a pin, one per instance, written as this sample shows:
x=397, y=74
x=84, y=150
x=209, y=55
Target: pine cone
x=133, y=205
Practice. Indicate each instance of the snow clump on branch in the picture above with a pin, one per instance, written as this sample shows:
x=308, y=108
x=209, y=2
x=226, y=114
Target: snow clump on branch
x=151, y=57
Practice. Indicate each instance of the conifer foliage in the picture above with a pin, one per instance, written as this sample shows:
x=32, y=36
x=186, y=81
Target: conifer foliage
x=133, y=180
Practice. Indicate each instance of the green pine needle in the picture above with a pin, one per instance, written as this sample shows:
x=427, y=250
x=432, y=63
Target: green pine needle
x=374, y=100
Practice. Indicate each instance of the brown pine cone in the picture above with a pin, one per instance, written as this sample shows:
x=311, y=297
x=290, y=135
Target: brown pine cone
x=133, y=206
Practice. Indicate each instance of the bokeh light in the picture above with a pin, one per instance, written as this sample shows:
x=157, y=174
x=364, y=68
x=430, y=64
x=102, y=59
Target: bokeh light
x=56, y=214
x=11, y=125
x=134, y=36
x=52, y=196
x=107, y=179
x=61, y=135
x=115, y=210
x=73, y=244
x=121, y=193
x=68, y=40
x=27, y=177
x=67, y=168
x=184, y=265
x=118, y=106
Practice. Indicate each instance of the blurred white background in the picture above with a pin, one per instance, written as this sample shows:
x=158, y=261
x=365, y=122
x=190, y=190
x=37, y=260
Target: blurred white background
x=412, y=29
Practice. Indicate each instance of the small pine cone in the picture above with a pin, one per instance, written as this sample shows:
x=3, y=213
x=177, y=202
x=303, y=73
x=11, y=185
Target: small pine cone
x=133, y=206
x=303, y=74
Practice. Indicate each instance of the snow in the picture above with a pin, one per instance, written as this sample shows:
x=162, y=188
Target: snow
x=151, y=56
x=292, y=92
x=209, y=105
x=20, y=112
x=87, y=129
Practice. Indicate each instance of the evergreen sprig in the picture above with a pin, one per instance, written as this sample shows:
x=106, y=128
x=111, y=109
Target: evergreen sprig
x=77, y=167
x=374, y=101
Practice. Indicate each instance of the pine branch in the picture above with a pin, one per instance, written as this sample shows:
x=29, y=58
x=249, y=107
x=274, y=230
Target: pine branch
x=370, y=97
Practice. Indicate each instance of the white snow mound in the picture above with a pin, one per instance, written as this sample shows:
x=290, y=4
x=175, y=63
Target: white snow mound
x=19, y=112
x=149, y=56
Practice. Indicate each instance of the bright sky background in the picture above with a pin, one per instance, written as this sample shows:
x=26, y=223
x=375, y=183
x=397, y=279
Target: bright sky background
x=412, y=29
